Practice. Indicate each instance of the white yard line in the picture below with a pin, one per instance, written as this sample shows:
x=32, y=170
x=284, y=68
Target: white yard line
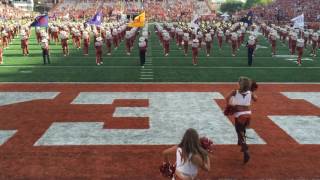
x=149, y=68
x=203, y=83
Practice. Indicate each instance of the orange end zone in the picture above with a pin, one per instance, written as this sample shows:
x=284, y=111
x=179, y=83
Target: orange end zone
x=282, y=157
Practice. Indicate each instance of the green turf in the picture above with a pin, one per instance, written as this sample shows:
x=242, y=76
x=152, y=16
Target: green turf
x=219, y=67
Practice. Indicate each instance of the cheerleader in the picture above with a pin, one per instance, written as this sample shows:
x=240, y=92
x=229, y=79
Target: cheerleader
x=190, y=156
x=240, y=100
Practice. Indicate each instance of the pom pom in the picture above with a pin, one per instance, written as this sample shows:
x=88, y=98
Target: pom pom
x=254, y=86
x=167, y=170
x=206, y=144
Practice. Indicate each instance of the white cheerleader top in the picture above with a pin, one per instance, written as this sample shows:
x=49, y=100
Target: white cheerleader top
x=241, y=99
x=185, y=167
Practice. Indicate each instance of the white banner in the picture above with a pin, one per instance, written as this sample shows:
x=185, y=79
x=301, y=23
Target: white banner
x=298, y=21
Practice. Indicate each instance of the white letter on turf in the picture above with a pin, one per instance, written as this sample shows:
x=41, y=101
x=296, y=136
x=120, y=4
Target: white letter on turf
x=170, y=114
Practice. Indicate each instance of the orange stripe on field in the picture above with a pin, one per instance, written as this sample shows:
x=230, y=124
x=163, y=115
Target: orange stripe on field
x=280, y=158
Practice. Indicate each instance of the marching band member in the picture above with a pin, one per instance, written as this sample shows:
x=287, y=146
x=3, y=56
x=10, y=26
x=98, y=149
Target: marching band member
x=273, y=39
x=145, y=34
x=38, y=34
x=251, y=47
x=234, y=43
x=228, y=36
x=208, y=41
x=128, y=42
x=284, y=34
x=77, y=38
x=5, y=39
x=220, y=36
x=290, y=40
x=239, y=41
x=185, y=43
x=300, y=47
x=166, y=43
x=115, y=38
x=315, y=39
x=86, y=43
x=294, y=38
x=24, y=43
x=73, y=36
x=172, y=32
x=180, y=36
x=200, y=37
x=306, y=36
x=55, y=34
x=1, y=52
x=45, y=51
x=212, y=33
x=142, y=51
x=195, y=51
x=98, y=46
x=108, y=42
x=64, y=42
x=95, y=34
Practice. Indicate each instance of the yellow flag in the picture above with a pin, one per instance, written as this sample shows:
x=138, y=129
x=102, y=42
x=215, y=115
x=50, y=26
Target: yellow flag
x=138, y=21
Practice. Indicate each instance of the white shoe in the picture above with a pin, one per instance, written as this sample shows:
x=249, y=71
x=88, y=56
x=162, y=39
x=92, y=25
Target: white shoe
x=109, y=54
x=101, y=62
x=98, y=64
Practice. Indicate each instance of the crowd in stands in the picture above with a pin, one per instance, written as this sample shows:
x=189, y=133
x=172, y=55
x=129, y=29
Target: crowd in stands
x=282, y=11
x=8, y=12
x=155, y=10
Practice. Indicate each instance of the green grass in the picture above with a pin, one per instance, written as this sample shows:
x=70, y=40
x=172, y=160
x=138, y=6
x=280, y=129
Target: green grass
x=219, y=67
